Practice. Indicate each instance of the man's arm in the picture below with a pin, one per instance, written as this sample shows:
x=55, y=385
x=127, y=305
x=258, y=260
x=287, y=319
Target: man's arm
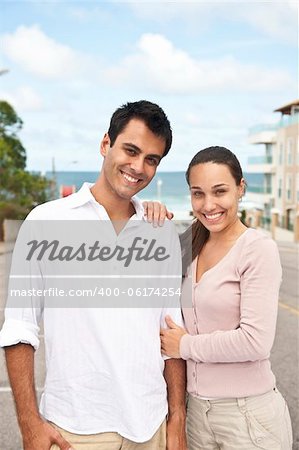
x=37, y=434
x=175, y=376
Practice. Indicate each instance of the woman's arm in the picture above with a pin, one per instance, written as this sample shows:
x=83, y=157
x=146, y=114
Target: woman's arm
x=260, y=273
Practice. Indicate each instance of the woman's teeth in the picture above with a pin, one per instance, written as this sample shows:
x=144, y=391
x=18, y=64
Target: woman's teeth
x=213, y=216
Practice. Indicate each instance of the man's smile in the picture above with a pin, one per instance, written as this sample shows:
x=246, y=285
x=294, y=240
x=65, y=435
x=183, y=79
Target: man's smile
x=130, y=178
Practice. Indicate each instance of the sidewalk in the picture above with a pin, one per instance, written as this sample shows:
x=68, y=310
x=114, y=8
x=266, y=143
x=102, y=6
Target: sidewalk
x=6, y=247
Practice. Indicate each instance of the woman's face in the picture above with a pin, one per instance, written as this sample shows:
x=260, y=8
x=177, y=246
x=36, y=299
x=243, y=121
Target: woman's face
x=214, y=195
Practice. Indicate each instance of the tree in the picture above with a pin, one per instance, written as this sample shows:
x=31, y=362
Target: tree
x=20, y=190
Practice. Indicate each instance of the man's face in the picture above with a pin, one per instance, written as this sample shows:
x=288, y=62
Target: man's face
x=131, y=163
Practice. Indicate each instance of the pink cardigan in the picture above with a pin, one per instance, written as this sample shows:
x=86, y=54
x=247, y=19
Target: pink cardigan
x=232, y=323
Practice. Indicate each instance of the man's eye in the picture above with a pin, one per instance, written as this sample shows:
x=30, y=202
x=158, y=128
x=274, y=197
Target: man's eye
x=152, y=161
x=130, y=151
x=220, y=191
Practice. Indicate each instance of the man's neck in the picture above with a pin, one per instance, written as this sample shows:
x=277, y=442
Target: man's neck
x=117, y=209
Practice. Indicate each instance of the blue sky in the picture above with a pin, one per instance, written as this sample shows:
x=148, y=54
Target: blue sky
x=217, y=68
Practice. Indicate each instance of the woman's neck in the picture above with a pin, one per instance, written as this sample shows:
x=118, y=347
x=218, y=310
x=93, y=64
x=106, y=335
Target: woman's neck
x=229, y=234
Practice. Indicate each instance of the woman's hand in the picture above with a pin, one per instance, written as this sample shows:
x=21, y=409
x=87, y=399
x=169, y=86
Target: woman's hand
x=171, y=338
x=156, y=213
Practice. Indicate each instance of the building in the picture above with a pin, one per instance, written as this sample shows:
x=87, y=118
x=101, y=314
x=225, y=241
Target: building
x=277, y=172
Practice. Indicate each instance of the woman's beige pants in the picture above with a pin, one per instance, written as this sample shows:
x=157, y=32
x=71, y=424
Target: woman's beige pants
x=261, y=422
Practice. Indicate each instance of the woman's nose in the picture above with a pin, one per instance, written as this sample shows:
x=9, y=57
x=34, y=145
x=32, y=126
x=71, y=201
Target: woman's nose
x=209, y=203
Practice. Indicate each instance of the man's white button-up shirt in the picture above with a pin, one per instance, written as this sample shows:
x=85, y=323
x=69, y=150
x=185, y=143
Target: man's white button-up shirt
x=104, y=369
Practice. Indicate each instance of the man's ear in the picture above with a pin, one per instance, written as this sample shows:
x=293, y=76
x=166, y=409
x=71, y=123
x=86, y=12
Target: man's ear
x=105, y=145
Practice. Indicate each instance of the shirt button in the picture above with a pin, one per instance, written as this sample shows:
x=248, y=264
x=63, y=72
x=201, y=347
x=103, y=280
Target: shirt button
x=259, y=440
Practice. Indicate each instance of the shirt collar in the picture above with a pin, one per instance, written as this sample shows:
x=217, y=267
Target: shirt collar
x=84, y=196
x=138, y=208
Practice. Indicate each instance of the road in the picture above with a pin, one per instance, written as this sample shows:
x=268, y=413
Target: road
x=284, y=356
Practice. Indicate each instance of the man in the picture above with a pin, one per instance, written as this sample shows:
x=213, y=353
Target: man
x=95, y=396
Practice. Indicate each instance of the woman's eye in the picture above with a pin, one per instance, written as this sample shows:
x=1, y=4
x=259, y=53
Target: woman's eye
x=197, y=194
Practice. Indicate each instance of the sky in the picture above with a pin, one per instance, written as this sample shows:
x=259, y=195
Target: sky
x=216, y=68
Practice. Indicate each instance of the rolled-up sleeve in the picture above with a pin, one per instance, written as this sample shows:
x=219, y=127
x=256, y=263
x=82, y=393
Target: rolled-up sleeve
x=15, y=331
x=24, y=308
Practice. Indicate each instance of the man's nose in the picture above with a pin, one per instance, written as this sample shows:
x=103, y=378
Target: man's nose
x=137, y=164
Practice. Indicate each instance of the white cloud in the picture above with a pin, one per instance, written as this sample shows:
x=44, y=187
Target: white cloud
x=24, y=98
x=277, y=19
x=157, y=64
x=39, y=54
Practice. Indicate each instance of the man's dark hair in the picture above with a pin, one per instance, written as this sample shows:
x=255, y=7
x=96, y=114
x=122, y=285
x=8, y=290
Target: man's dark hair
x=151, y=114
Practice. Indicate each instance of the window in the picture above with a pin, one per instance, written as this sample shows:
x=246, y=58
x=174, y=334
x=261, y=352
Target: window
x=290, y=151
x=279, y=188
x=289, y=187
x=280, y=153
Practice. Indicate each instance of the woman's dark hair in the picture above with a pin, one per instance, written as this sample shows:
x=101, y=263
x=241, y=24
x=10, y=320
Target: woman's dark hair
x=151, y=114
x=197, y=235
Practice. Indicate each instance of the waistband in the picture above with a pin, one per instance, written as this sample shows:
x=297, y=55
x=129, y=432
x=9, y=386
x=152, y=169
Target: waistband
x=236, y=401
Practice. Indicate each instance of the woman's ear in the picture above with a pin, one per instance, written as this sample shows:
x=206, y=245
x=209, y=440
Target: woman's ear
x=242, y=187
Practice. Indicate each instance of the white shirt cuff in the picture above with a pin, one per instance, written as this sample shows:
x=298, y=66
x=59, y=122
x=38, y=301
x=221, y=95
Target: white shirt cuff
x=16, y=331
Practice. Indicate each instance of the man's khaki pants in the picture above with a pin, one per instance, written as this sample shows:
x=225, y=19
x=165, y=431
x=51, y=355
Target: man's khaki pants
x=112, y=441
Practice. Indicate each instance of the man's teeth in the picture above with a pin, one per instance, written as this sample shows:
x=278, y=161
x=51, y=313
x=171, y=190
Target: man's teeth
x=213, y=216
x=129, y=178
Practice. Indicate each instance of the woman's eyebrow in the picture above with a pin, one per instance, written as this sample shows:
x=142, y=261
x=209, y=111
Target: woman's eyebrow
x=213, y=187
x=219, y=185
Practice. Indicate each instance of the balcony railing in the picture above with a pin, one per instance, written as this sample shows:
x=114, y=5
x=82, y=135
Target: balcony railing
x=263, y=127
x=285, y=121
x=260, y=159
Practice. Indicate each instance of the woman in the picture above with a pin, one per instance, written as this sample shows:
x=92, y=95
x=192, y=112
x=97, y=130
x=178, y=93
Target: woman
x=233, y=402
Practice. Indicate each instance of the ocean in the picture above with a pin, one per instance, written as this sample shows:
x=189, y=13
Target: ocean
x=169, y=188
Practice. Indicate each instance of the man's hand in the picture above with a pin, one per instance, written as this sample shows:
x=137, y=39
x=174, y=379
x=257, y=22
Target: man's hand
x=176, y=432
x=156, y=213
x=40, y=435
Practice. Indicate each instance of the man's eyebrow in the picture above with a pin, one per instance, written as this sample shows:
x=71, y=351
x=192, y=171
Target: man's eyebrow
x=132, y=146
x=154, y=156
